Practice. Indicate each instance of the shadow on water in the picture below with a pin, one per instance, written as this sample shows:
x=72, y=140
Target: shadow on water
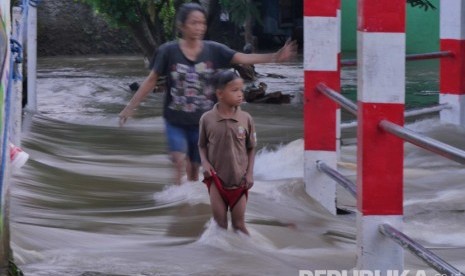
x=98, y=200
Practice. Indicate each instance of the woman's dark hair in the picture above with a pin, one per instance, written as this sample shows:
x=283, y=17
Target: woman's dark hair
x=222, y=78
x=186, y=9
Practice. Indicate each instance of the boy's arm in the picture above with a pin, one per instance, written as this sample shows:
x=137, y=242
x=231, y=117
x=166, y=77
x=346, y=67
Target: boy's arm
x=207, y=167
x=203, y=142
x=251, y=144
x=251, y=162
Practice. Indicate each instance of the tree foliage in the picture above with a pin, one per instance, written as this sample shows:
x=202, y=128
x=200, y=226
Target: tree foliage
x=167, y=14
x=425, y=4
x=142, y=17
x=243, y=13
x=240, y=10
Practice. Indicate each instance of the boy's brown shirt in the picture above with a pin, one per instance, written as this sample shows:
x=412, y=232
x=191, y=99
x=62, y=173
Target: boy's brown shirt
x=227, y=141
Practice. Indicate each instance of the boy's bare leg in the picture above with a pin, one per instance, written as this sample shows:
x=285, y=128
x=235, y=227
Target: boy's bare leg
x=178, y=159
x=192, y=169
x=238, y=215
x=219, y=210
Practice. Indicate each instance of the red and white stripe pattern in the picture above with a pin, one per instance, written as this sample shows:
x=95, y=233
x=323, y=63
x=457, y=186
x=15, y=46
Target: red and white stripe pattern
x=452, y=76
x=321, y=115
x=381, y=95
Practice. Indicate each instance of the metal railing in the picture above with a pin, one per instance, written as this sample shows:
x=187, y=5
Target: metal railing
x=422, y=141
x=443, y=267
x=426, y=110
x=410, y=57
x=432, y=55
x=352, y=107
x=408, y=113
x=427, y=143
x=430, y=144
x=337, y=97
x=338, y=177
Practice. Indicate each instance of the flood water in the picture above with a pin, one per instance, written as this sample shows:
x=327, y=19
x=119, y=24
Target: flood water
x=98, y=200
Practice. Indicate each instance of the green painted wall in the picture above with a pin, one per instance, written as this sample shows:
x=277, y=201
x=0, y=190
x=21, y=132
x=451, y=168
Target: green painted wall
x=422, y=28
x=349, y=25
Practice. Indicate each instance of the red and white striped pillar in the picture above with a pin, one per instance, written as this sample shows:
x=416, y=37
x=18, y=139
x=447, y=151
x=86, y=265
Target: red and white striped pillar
x=452, y=72
x=381, y=95
x=321, y=115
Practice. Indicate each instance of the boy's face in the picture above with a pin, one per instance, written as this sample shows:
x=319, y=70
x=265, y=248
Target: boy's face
x=232, y=94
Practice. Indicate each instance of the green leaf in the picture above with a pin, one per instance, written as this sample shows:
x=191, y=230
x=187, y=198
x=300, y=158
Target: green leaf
x=425, y=4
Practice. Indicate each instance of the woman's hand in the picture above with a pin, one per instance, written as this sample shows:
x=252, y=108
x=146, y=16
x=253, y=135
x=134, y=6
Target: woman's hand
x=147, y=86
x=287, y=52
x=124, y=115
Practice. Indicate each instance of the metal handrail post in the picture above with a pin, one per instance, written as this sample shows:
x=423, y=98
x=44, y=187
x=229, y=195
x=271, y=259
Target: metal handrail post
x=426, y=110
x=339, y=178
x=430, y=144
x=407, y=114
x=352, y=107
x=431, y=55
x=410, y=57
x=337, y=97
x=421, y=252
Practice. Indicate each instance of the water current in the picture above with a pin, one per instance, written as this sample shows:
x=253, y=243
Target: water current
x=98, y=200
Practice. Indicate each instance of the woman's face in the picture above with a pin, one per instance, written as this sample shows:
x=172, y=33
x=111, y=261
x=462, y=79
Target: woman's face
x=195, y=26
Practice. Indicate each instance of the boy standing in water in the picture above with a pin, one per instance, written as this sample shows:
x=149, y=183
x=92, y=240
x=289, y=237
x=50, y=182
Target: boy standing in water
x=227, y=142
x=188, y=64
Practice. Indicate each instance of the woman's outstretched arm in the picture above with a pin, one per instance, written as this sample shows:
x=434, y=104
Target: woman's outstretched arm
x=286, y=53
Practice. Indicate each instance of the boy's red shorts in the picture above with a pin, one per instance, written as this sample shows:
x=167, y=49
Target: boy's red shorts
x=230, y=196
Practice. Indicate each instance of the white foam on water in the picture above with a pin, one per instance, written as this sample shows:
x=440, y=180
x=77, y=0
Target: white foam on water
x=190, y=192
x=274, y=166
x=228, y=240
x=284, y=162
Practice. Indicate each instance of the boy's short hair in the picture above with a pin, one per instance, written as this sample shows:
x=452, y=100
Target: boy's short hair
x=223, y=77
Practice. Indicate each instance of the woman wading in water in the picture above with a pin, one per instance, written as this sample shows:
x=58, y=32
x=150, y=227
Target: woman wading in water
x=189, y=64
